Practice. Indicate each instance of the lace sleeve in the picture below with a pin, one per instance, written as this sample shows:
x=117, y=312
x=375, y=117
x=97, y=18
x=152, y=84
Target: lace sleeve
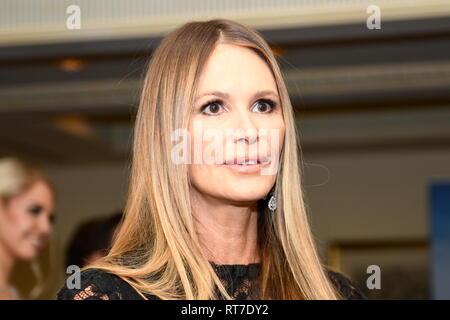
x=99, y=285
x=345, y=286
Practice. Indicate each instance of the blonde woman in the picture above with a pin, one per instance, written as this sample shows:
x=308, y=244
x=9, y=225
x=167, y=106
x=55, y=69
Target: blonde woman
x=26, y=217
x=220, y=229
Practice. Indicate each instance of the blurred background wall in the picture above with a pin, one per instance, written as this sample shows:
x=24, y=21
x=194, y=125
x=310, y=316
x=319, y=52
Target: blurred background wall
x=373, y=110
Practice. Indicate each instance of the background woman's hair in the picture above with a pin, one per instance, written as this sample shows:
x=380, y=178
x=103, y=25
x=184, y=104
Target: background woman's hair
x=16, y=176
x=93, y=236
x=157, y=249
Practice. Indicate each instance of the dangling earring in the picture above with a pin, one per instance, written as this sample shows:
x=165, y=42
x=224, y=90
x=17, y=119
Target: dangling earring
x=272, y=203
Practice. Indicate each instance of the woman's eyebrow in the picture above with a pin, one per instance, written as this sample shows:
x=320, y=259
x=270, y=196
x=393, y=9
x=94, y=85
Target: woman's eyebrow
x=225, y=95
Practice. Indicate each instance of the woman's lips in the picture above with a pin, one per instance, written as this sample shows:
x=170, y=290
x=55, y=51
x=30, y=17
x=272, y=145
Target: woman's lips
x=36, y=243
x=246, y=168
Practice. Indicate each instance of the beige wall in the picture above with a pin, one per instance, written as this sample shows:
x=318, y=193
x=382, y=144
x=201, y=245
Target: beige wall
x=373, y=195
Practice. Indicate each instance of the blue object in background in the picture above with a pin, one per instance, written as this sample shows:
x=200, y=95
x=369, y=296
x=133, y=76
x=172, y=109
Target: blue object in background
x=440, y=239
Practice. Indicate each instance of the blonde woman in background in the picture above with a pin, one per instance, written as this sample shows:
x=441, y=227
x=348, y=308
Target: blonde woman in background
x=213, y=230
x=26, y=217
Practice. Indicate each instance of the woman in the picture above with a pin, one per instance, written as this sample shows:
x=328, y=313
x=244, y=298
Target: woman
x=92, y=240
x=26, y=217
x=208, y=228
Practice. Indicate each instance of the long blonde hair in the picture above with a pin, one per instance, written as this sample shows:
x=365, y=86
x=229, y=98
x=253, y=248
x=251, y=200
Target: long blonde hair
x=157, y=250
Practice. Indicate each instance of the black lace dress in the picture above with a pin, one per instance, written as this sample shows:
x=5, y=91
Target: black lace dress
x=238, y=280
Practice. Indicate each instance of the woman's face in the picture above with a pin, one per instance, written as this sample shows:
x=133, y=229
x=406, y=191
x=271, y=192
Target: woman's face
x=26, y=221
x=246, y=121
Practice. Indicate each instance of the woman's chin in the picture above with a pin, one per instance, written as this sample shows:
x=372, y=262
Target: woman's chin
x=28, y=254
x=247, y=194
x=255, y=187
x=237, y=188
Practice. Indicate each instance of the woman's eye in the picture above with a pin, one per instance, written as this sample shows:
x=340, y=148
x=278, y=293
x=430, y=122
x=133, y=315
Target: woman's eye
x=264, y=106
x=35, y=209
x=212, y=108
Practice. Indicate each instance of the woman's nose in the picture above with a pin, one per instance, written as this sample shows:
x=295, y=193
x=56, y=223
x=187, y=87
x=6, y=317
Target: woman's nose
x=44, y=225
x=245, y=128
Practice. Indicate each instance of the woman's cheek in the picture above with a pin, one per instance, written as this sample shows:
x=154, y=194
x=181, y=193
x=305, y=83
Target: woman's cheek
x=13, y=236
x=24, y=219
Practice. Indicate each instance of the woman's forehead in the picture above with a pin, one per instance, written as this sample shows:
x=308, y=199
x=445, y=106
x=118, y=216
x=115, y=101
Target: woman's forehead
x=232, y=67
x=38, y=192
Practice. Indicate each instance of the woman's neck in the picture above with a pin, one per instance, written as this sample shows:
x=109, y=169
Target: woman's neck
x=7, y=262
x=227, y=232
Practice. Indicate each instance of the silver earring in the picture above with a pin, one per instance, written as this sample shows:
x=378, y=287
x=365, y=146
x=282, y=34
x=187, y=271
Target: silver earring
x=272, y=203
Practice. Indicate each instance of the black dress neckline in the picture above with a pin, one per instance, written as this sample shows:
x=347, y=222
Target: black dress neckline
x=239, y=280
x=234, y=271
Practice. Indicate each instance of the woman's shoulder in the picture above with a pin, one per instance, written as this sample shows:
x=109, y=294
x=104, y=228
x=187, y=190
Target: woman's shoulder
x=345, y=286
x=96, y=284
